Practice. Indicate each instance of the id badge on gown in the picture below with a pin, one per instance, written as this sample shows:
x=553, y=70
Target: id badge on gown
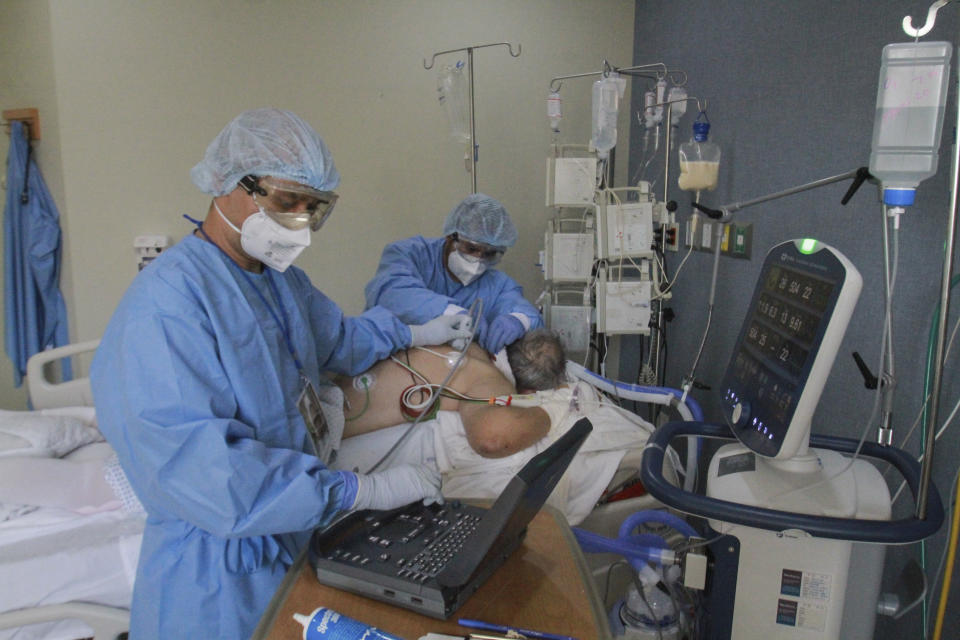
x=309, y=405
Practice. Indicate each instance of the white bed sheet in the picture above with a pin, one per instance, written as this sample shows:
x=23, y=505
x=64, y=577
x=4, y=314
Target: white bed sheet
x=57, y=555
x=51, y=556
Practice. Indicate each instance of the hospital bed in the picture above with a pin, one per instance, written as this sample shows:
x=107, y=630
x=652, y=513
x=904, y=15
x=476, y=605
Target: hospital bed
x=64, y=575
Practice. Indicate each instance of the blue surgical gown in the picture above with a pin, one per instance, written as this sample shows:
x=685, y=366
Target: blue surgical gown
x=413, y=282
x=34, y=312
x=197, y=391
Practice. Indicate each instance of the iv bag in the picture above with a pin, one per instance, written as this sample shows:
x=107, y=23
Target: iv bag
x=553, y=110
x=607, y=92
x=452, y=93
x=699, y=159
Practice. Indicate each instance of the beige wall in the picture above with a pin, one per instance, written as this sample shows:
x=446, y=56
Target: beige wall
x=131, y=93
x=27, y=80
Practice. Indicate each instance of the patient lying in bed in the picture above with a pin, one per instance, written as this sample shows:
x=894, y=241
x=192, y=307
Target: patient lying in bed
x=478, y=446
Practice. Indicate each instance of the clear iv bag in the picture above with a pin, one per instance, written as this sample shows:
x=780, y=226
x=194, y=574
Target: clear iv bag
x=453, y=95
x=553, y=110
x=607, y=92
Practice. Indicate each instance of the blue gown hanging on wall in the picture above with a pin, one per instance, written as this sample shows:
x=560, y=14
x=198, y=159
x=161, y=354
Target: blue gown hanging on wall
x=34, y=312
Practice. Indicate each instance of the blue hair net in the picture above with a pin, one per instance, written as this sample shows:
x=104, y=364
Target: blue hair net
x=265, y=142
x=480, y=218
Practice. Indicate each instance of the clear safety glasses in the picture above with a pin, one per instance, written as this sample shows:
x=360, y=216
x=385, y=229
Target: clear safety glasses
x=478, y=251
x=293, y=205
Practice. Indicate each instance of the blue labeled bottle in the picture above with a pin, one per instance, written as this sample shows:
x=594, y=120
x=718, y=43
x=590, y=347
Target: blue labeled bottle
x=325, y=624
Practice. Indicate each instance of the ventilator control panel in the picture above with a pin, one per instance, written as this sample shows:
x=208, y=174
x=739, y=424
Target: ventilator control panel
x=796, y=320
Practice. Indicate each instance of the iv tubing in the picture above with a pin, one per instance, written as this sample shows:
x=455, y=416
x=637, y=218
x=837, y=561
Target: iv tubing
x=718, y=236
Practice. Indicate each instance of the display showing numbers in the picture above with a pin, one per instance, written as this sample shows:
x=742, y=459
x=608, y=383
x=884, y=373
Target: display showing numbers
x=779, y=337
x=799, y=288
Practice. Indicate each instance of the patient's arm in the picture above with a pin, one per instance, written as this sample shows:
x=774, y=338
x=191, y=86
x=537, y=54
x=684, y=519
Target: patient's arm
x=496, y=432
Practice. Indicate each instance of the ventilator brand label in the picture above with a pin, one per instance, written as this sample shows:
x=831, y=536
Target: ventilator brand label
x=740, y=463
x=812, y=592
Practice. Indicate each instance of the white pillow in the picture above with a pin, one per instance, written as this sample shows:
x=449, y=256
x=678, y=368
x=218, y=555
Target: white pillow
x=30, y=433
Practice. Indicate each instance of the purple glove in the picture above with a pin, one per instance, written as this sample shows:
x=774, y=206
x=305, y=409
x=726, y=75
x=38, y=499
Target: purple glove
x=503, y=330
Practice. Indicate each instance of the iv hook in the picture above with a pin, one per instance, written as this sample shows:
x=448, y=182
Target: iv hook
x=928, y=25
x=479, y=46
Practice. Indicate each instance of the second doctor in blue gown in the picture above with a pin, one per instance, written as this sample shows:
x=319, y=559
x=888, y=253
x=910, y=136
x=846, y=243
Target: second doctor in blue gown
x=199, y=380
x=421, y=278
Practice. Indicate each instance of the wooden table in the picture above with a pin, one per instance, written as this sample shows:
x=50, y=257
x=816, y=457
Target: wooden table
x=544, y=586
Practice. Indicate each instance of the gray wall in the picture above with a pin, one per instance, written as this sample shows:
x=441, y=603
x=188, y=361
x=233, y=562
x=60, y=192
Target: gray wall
x=791, y=89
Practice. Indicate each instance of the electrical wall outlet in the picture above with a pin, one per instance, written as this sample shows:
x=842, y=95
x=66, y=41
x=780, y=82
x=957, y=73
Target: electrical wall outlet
x=736, y=242
x=671, y=236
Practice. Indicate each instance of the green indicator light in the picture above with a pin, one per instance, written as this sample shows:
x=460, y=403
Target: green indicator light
x=808, y=245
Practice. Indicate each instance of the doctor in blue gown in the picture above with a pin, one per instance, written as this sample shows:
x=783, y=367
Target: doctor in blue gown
x=200, y=378
x=421, y=278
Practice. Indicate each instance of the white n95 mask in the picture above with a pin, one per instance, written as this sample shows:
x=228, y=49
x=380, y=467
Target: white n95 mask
x=465, y=268
x=264, y=239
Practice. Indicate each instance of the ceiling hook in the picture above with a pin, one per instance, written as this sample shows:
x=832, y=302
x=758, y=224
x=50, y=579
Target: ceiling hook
x=931, y=19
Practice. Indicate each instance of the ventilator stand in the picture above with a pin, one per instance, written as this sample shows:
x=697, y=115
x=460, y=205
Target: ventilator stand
x=474, y=156
x=754, y=546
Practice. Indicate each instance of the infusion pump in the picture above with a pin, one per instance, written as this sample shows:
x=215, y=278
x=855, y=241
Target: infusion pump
x=599, y=259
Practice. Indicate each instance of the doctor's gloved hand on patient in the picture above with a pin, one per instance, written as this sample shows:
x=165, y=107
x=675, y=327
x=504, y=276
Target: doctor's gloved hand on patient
x=441, y=330
x=397, y=486
x=505, y=329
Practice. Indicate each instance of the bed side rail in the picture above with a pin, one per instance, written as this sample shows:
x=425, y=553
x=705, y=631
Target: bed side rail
x=45, y=393
x=108, y=623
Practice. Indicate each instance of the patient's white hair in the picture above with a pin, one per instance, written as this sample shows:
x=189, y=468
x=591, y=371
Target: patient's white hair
x=538, y=361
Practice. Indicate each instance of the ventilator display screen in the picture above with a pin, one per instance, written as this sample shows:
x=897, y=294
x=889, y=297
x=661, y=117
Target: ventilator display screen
x=791, y=307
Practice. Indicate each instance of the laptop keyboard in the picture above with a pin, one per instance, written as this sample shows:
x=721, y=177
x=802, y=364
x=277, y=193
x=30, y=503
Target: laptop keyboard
x=446, y=544
x=414, y=544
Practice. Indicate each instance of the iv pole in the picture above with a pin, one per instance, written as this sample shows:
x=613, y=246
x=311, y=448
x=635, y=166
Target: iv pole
x=473, y=125
x=927, y=465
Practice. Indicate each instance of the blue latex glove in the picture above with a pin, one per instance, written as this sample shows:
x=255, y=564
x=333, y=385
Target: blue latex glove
x=440, y=330
x=503, y=330
x=397, y=487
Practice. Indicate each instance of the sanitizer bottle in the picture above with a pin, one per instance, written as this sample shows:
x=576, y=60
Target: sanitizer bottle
x=699, y=159
x=325, y=624
x=911, y=97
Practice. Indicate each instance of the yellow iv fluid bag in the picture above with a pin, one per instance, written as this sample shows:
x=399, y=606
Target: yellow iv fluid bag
x=699, y=160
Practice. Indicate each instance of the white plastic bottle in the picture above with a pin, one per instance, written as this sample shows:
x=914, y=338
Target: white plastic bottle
x=452, y=93
x=699, y=159
x=607, y=92
x=911, y=97
x=326, y=624
x=553, y=111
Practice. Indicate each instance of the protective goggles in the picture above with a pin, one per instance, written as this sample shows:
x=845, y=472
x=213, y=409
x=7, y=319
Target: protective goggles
x=289, y=203
x=478, y=251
